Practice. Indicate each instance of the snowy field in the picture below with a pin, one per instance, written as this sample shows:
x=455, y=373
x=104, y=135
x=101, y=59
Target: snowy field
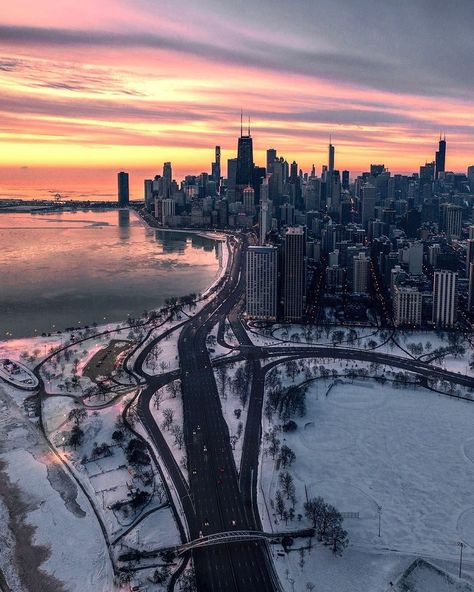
x=233, y=386
x=40, y=506
x=361, y=447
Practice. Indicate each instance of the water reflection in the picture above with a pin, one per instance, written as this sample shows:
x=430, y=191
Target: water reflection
x=124, y=224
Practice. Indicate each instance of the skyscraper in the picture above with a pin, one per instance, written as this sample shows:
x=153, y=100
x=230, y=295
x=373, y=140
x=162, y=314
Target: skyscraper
x=451, y=219
x=367, y=204
x=123, y=190
x=216, y=166
x=444, y=298
x=440, y=158
x=261, y=290
x=148, y=192
x=271, y=157
x=244, y=173
x=294, y=279
x=249, y=200
x=345, y=180
x=331, y=154
x=231, y=173
x=264, y=214
x=361, y=272
x=167, y=180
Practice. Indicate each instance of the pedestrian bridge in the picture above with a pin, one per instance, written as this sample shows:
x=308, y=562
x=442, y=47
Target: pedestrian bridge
x=237, y=536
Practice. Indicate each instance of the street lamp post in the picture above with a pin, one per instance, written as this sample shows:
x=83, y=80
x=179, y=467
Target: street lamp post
x=460, y=544
x=379, y=512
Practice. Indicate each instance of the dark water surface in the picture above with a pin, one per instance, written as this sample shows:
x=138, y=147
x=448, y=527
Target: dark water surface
x=68, y=269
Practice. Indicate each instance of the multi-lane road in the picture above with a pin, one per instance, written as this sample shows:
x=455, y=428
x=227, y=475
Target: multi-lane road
x=217, y=497
x=212, y=501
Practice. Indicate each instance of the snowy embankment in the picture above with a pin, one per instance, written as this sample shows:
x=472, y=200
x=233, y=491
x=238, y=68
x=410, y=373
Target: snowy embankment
x=402, y=453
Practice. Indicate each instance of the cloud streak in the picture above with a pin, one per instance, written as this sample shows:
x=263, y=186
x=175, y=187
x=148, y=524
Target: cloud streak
x=133, y=84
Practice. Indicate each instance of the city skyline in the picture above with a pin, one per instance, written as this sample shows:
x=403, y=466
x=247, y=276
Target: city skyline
x=129, y=87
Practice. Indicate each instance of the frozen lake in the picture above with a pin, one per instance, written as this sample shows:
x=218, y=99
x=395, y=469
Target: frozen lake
x=59, y=270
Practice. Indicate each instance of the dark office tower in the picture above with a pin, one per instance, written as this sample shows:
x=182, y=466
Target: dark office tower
x=345, y=180
x=167, y=180
x=293, y=172
x=231, y=173
x=330, y=169
x=294, y=280
x=367, y=202
x=123, y=191
x=271, y=157
x=376, y=169
x=244, y=159
x=216, y=166
x=441, y=157
x=313, y=171
x=412, y=223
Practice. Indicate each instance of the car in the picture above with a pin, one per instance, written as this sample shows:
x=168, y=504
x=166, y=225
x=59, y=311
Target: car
x=194, y=472
x=233, y=522
x=206, y=522
x=221, y=469
x=200, y=534
x=205, y=448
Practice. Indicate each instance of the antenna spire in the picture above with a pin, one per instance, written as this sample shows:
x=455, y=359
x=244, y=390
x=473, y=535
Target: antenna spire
x=249, y=124
x=241, y=128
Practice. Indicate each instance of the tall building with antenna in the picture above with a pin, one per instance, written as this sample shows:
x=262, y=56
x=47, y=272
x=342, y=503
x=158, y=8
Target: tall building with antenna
x=245, y=163
x=440, y=158
x=330, y=173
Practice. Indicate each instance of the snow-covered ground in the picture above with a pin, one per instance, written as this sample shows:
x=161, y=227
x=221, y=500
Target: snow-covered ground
x=40, y=506
x=408, y=451
x=168, y=401
x=234, y=403
x=368, y=338
x=164, y=356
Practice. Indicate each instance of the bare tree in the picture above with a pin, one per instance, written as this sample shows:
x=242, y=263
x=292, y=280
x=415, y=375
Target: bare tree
x=168, y=417
x=287, y=484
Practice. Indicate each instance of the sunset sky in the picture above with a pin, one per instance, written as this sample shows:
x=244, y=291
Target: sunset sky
x=88, y=88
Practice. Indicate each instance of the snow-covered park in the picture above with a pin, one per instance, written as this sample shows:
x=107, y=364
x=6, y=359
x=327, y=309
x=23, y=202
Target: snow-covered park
x=405, y=455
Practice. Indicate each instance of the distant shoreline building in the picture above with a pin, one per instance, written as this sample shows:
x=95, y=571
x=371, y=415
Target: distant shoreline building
x=123, y=190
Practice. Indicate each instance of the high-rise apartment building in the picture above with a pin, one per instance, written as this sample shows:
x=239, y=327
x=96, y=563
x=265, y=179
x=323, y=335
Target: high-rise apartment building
x=451, y=220
x=294, y=274
x=444, y=298
x=407, y=306
x=262, y=278
x=361, y=273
